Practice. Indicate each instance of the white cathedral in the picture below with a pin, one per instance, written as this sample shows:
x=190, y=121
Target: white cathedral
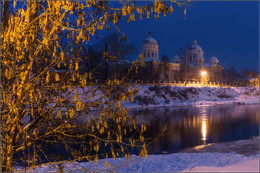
x=181, y=68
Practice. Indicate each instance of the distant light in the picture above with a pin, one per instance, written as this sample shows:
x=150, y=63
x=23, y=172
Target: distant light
x=203, y=73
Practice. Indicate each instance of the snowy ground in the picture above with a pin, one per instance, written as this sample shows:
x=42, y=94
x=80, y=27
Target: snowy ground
x=167, y=96
x=244, y=147
x=246, y=166
x=171, y=96
x=176, y=162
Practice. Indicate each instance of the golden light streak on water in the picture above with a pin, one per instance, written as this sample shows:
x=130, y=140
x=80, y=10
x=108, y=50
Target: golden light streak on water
x=204, y=130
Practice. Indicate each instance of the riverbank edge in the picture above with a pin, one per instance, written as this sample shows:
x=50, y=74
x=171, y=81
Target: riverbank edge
x=204, y=97
x=246, y=147
x=184, y=106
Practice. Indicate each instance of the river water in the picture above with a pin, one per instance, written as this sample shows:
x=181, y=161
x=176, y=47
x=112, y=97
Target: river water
x=186, y=127
x=197, y=125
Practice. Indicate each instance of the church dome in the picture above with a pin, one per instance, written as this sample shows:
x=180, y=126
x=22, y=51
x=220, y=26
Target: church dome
x=150, y=42
x=213, y=59
x=176, y=59
x=194, y=55
x=150, y=49
x=195, y=48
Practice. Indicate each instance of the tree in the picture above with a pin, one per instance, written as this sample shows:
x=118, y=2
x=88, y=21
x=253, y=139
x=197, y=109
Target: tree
x=246, y=73
x=149, y=73
x=165, y=67
x=165, y=58
x=39, y=106
x=118, y=50
x=182, y=51
x=232, y=75
x=91, y=59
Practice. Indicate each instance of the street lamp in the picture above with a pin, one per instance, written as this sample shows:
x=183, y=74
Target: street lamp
x=203, y=73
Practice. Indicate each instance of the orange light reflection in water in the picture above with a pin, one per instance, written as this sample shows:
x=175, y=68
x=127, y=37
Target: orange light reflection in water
x=204, y=130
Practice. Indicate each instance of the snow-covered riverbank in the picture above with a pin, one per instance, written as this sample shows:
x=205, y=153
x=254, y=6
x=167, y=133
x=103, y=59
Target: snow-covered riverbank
x=176, y=162
x=167, y=96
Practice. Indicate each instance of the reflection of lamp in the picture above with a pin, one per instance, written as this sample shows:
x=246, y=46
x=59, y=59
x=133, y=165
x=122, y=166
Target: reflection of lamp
x=203, y=73
x=204, y=131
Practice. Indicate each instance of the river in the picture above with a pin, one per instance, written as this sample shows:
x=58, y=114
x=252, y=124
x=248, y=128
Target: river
x=186, y=127
x=197, y=125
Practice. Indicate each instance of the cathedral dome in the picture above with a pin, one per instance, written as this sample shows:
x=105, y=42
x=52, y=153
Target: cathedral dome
x=150, y=49
x=213, y=59
x=150, y=42
x=195, y=48
x=176, y=59
x=194, y=55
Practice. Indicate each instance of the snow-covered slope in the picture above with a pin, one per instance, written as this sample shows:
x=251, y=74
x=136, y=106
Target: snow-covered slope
x=154, y=96
x=246, y=166
x=167, y=163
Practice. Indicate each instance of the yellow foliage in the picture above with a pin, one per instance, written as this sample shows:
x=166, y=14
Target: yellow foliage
x=59, y=114
x=57, y=77
x=31, y=47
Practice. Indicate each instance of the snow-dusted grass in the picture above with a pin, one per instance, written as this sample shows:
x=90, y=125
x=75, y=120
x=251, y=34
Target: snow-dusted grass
x=160, y=96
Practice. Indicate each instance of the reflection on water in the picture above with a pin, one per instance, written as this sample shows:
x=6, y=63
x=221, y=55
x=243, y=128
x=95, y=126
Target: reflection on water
x=204, y=130
x=203, y=126
x=193, y=126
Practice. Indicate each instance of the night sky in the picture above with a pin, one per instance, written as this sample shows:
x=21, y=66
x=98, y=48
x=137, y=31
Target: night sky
x=228, y=30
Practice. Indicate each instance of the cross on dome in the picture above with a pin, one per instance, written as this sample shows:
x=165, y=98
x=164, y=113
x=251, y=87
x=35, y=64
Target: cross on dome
x=195, y=41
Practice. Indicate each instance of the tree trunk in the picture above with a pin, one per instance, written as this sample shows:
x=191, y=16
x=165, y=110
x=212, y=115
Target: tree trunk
x=5, y=15
x=7, y=155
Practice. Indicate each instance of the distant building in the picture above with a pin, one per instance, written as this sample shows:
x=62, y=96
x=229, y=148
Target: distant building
x=187, y=68
x=194, y=62
x=150, y=49
x=155, y=69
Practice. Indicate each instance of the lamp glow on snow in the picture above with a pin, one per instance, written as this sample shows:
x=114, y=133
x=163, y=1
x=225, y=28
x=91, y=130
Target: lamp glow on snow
x=203, y=73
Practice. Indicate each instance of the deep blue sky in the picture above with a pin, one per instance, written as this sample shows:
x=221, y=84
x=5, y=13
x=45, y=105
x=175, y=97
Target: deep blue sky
x=229, y=30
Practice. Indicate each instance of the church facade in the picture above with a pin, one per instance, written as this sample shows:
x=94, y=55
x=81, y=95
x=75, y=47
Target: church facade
x=156, y=69
x=188, y=68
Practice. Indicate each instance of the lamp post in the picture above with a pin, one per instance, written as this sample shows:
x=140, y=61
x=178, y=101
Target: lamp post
x=203, y=73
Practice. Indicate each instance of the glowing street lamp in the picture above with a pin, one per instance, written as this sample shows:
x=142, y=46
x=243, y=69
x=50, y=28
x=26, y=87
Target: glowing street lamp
x=203, y=73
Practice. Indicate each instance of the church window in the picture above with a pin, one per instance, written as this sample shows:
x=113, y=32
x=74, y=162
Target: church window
x=190, y=58
x=155, y=55
x=152, y=54
x=148, y=54
x=144, y=54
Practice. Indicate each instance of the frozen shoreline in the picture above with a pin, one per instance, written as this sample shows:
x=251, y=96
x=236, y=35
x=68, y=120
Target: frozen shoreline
x=178, y=162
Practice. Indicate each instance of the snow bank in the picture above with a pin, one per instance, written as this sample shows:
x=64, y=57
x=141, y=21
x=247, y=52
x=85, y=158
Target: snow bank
x=160, y=96
x=167, y=96
x=176, y=162
x=246, y=166
x=168, y=163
